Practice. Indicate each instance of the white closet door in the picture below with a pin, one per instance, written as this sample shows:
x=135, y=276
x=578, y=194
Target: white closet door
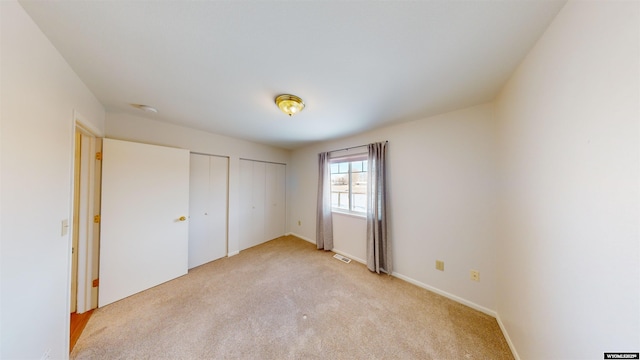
x=282, y=200
x=253, y=203
x=262, y=202
x=207, y=208
x=198, y=206
x=145, y=192
x=258, y=203
x=219, y=204
x=246, y=203
x=275, y=201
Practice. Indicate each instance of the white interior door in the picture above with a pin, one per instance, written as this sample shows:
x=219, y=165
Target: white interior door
x=94, y=249
x=208, y=189
x=76, y=210
x=86, y=232
x=143, y=242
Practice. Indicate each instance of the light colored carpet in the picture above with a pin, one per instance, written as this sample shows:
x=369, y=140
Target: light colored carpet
x=286, y=300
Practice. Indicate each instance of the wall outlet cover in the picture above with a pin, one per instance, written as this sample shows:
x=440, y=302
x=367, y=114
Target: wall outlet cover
x=475, y=275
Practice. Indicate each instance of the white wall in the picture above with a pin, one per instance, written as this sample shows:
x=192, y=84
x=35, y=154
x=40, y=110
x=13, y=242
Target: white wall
x=568, y=254
x=442, y=177
x=136, y=128
x=39, y=93
x=349, y=232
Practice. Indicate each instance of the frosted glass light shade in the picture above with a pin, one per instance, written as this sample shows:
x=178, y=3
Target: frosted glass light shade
x=290, y=104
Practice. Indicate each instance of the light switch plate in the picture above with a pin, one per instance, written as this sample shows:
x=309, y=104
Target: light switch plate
x=65, y=227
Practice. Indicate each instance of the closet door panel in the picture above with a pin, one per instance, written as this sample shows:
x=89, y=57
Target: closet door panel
x=275, y=202
x=198, y=202
x=246, y=204
x=218, y=204
x=258, y=203
x=208, y=209
x=262, y=199
x=281, y=208
x=271, y=179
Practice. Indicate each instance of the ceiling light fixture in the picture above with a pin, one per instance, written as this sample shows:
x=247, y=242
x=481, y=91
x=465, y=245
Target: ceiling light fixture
x=290, y=104
x=146, y=108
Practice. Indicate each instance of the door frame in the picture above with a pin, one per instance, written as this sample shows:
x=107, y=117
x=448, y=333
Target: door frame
x=88, y=240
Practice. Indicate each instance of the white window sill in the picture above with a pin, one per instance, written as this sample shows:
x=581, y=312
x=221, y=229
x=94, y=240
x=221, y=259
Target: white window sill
x=362, y=216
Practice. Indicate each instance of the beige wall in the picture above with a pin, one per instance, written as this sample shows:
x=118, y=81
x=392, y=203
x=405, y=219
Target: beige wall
x=442, y=178
x=569, y=269
x=40, y=94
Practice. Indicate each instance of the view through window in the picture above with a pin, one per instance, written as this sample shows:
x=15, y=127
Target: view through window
x=349, y=185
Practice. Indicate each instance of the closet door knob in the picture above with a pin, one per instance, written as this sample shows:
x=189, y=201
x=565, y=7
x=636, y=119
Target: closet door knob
x=182, y=218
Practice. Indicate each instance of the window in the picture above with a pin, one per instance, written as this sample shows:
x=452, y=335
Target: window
x=349, y=184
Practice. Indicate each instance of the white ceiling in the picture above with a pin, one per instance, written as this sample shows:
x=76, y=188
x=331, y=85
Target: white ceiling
x=218, y=65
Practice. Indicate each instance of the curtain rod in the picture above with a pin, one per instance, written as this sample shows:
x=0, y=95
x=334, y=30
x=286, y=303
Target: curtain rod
x=354, y=147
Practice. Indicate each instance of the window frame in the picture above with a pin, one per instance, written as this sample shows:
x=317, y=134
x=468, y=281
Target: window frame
x=349, y=159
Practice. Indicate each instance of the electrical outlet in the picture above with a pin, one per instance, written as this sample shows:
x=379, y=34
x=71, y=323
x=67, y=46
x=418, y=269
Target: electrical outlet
x=475, y=275
x=440, y=265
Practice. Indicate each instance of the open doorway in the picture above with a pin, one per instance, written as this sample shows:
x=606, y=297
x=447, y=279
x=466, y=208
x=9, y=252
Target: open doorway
x=86, y=229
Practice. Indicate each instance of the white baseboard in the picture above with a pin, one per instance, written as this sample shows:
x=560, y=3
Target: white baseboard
x=233, y=253
x=334, y=250
x=506, y=336
x=447, y=295
x=301, y=237
x=455, y=298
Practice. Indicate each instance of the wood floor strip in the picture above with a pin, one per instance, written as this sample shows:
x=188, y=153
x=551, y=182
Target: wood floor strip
x=78, y=322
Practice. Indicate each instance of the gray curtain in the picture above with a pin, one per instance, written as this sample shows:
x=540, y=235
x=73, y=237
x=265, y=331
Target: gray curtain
x=378, y=245
x=324, y=222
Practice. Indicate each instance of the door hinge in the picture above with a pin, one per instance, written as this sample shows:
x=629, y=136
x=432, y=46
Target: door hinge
x=98, y=156
x=96, y=219
x=96, y=282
